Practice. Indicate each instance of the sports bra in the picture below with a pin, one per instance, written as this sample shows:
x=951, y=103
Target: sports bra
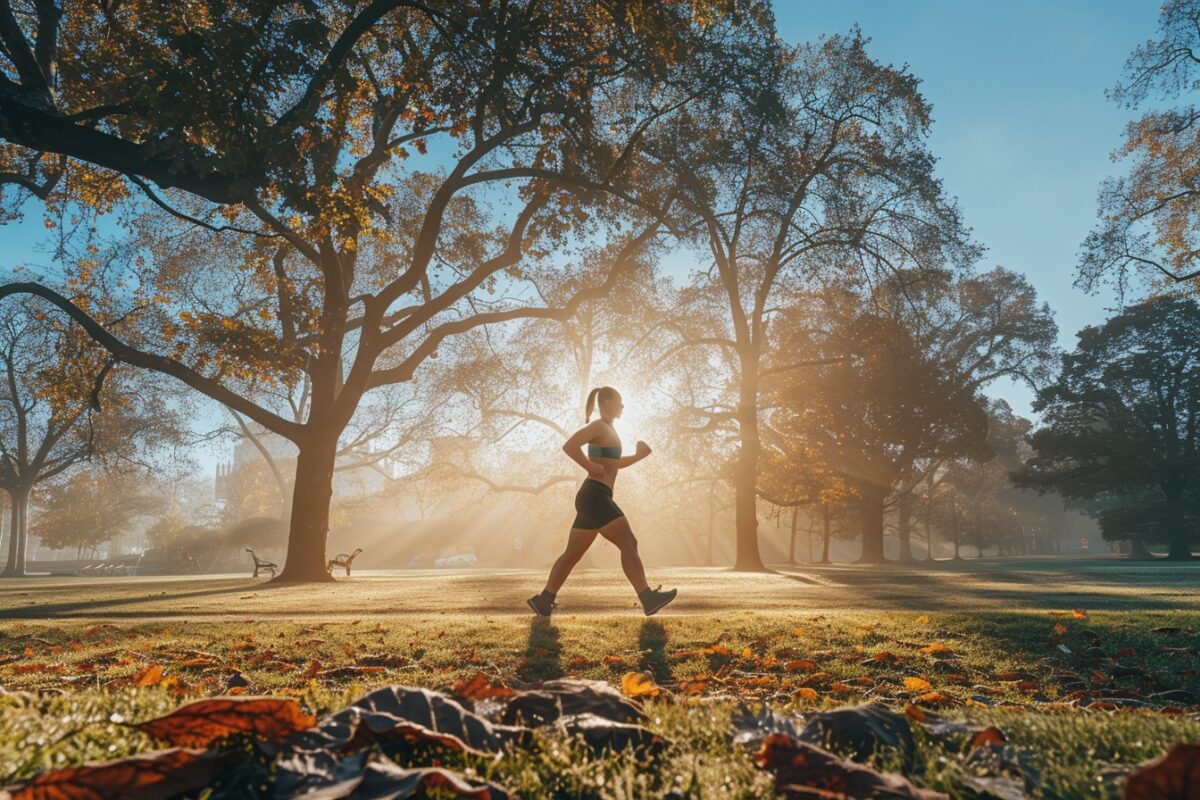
x=599, y=451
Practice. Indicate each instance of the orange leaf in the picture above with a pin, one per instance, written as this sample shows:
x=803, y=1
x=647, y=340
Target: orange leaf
x=1079, y=613
x=635, y=684
x=935, y=649
x=989, y=735
x=148, y=676
x=806, y=693
x=479, y=688
x=918, y=685
x=914, y=713
x=935, y=699
x=800, y=664
x=840, y=688
x=167, y=773
x=203, y=722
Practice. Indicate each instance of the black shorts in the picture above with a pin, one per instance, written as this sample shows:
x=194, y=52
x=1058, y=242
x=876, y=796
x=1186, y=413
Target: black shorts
x=594, y=506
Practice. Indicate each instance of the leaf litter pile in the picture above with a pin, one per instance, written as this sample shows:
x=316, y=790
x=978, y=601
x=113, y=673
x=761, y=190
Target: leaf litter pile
x=723, y=717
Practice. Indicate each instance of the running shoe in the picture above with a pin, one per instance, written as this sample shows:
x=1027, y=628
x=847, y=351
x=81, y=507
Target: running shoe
x=653, y=600
x=542, y=606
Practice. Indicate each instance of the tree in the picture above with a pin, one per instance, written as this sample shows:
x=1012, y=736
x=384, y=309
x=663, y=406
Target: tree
x=1122, y=420
x=881, y=406
x=89, y=509
x=898, y=389
x=62, y=402
x=817, y=166
x=1148, y=216
x=303, y=152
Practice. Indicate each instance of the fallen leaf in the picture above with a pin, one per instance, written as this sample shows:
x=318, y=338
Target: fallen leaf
x=936, y=649
x=371, y=774
x=480, y=688
x=148, y=676
x=989, y=735
x=1174, y=776
x=800, y=768
x=200, y=723
x=636, y=684
x=167, y=773
x=918, y=685
x=569, y=696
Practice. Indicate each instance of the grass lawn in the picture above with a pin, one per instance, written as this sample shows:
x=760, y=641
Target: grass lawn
x=1090, y=667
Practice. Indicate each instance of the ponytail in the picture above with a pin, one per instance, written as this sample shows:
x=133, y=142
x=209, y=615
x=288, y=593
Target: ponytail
x=604, y=392
x=591, y=403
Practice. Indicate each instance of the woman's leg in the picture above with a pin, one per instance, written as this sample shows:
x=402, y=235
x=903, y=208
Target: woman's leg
x=619, y=533
x=577, y=544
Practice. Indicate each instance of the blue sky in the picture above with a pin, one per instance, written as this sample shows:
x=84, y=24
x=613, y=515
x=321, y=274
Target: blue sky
x=1022, y=128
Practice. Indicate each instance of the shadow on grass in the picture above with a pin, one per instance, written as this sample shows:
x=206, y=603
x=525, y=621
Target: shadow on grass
x=542, y=661
x=652, y=642
x=104, y=607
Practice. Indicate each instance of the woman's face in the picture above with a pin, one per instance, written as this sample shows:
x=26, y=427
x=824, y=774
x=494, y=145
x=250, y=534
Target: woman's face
x=614, y=407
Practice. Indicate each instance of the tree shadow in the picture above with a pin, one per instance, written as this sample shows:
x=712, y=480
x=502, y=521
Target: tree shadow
x=652, y=642
x=542, y=660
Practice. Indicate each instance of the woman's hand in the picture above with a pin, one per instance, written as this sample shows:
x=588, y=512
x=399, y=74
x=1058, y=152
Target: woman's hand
x=643, y=449
x=595, y=471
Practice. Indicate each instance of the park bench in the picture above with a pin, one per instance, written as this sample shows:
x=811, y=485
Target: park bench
x=262, y=565
x=343, y=560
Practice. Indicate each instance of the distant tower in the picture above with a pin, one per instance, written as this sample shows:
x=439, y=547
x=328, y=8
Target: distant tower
x=223, y=486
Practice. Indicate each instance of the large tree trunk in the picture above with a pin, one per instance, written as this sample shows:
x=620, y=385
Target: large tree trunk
x=954, y=527
x=748, y=558
x=1180, y=550
x=792, y=541
x=1138, y=551
x=870, y=509
x=15, y=565
x=712, y=524
x=311, y=498
x=928, y=520
x=825, y=535
x=1179, y=540
x=904, y=526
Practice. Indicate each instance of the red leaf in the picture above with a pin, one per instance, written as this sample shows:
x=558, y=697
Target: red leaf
x=203, y=722
x=167, y=773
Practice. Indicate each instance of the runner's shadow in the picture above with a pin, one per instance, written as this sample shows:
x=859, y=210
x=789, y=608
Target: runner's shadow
x=652, y=642
x=543, y=652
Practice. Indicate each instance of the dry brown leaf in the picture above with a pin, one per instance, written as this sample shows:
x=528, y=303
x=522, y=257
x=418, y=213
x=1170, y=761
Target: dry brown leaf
x=480, y=688
x=203, y=722
x=167, y=773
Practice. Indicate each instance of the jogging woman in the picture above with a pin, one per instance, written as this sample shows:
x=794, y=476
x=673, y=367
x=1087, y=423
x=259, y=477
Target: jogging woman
x=596, y=513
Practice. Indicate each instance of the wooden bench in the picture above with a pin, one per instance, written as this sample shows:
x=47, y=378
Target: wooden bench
x=343, y=560
x=261, y=565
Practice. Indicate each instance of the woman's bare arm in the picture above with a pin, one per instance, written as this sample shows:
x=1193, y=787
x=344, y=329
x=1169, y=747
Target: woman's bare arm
x=573, y=447
x=643, y=450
